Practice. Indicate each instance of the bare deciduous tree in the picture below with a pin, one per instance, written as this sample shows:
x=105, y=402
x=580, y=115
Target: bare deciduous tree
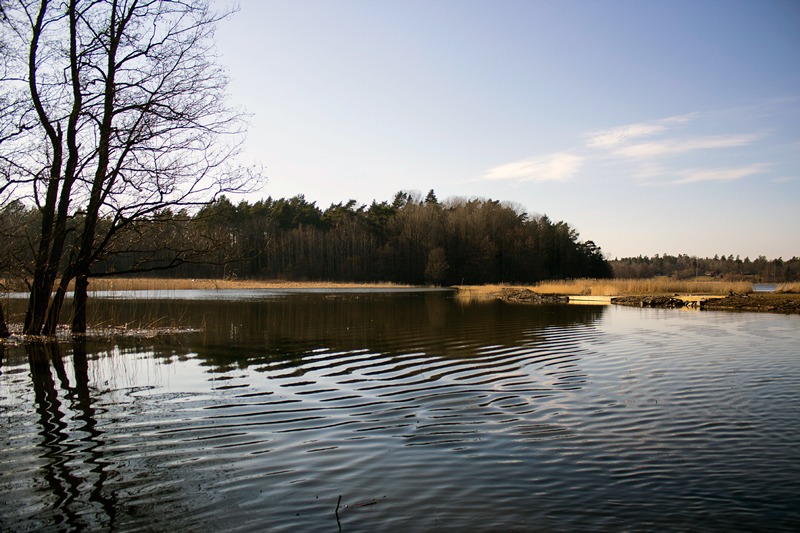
x=125, y=114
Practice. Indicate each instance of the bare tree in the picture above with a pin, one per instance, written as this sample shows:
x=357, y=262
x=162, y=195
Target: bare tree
x=127, y=116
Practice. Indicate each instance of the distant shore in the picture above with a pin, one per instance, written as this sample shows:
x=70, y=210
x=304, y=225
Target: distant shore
x=637, y=293
x=168, y=284
x=710, y=296
x=787, y=303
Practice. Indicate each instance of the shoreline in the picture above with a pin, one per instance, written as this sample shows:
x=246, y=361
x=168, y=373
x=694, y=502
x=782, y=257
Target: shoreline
x=168, y=284
x=713, y=296
x=770, y=302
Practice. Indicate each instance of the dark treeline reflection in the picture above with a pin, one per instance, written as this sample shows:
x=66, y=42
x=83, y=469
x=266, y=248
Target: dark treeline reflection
x=285, y=329
x=72, y=466
x=78, y=422
x=413, y=410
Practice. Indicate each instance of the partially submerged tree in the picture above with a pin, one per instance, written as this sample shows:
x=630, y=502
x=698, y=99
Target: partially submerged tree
x=126, y=116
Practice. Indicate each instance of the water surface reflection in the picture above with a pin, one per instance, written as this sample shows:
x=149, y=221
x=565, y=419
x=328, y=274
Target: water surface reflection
x=421, y=412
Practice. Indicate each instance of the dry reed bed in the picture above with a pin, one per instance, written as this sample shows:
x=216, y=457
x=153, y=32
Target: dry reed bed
x=789, y=288
x=622, y=287
x=625, y=287
x=592, y=287
x=166, y=284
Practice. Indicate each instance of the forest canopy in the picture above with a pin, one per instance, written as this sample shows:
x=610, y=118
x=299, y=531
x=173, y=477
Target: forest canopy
x=409, y=239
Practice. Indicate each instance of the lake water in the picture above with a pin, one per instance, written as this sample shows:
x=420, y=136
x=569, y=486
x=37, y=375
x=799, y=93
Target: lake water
x=405, y=411
x=764, y=287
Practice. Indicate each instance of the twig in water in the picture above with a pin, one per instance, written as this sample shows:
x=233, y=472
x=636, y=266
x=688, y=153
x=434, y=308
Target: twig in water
x=337, y=512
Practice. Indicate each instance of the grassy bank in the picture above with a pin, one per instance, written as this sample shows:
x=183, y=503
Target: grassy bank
x=626, y=287
x=590, y=287
x=167, y=284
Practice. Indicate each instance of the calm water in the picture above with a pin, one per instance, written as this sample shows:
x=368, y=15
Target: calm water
x=421, y=412
x=764, y=287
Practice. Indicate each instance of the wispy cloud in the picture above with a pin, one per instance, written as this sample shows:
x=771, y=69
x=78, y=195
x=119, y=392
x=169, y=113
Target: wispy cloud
x=785, y=179
x=621, y=134
x=554, y=167
x=677, y=146
x=720, y=174
x=649, y=163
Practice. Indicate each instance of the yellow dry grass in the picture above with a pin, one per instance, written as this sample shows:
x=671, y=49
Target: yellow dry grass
x=793, y=287
x=616, y=287
x=166, y=284
x=620, y=287
x=593, y=287
x=469, y=293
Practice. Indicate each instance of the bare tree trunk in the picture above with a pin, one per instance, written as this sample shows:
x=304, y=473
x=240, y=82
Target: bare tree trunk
x=79, y=304
x=40, y=290
x=42, y=282
x=159, y=137
x=3, y=328
x=54, y=223
x=54, y=309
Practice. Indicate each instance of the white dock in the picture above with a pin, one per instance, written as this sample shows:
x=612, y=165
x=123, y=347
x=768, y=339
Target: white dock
x=590, y=300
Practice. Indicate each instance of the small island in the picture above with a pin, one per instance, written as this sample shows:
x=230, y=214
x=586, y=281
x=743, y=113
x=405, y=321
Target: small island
x=665, y=294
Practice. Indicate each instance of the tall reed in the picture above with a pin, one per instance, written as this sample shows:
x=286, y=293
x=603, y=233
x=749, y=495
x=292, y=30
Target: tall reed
x=793, y=287
x=619, y=287
x=169, y=284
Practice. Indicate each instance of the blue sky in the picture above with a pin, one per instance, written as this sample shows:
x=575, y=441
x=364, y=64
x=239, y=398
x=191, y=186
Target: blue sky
x=650, y=126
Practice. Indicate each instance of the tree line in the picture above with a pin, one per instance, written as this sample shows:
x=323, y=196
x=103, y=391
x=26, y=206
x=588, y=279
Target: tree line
x=117, y=145
x=729, y=268
x=407, y=240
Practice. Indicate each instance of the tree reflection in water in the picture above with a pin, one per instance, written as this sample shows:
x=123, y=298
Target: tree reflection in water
x=73, y=468
x=105, y=461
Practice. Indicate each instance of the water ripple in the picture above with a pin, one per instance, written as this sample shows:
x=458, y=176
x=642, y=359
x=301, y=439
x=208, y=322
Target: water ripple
x=479, y=418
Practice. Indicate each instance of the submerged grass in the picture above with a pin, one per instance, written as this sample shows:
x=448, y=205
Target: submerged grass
x=108, y=317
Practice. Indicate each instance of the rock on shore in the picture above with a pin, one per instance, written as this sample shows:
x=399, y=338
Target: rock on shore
x=769, y=302
x=666, y=302
x=528, y=296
